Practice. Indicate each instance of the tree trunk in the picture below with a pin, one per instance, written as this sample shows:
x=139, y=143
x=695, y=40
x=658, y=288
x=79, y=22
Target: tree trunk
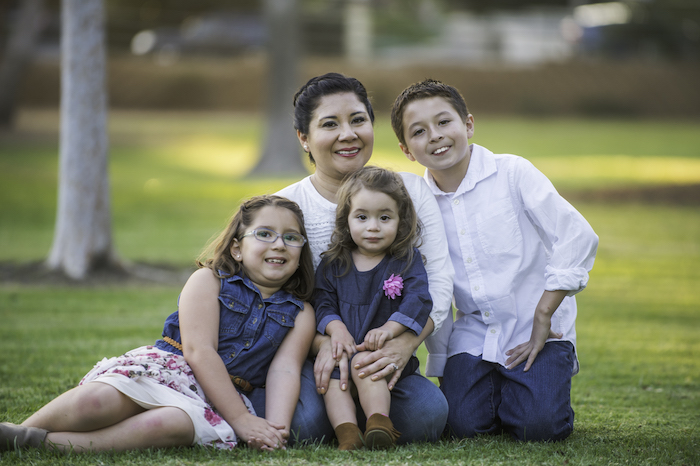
x=83, y=238
x=281, y=153
x=18, y=55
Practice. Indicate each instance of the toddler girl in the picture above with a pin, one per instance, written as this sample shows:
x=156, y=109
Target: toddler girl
x=371, y=286
x=242, y=324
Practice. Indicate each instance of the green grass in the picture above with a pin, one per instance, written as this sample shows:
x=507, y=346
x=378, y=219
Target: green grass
x=636, y=397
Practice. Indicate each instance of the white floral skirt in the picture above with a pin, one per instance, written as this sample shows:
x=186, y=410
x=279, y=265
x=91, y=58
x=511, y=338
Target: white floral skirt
x=154, y=378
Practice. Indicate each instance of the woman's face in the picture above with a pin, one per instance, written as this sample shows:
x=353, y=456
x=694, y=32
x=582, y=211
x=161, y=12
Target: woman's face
x=341, y=136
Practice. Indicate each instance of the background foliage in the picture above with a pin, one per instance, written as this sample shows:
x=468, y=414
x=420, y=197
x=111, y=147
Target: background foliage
x=177, y=177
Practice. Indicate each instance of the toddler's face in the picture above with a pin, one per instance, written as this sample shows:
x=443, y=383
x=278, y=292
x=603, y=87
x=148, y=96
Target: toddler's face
x=373, y=222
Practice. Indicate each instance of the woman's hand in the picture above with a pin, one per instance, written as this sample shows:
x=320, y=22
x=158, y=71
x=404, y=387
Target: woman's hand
x=325, y=363
x=388, y=361
x=259, y=433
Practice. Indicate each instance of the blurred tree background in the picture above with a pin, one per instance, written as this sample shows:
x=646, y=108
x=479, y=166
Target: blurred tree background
x=544, y=57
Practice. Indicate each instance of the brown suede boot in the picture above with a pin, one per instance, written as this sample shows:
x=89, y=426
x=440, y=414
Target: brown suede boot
x=13, y=436
x=380, y=432
x=349, y=436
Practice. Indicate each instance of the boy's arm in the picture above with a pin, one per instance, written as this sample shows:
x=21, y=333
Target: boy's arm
x=541, y=330
x=572, y=241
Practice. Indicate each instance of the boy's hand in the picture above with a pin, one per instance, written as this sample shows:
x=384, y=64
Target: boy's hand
x=541, y=331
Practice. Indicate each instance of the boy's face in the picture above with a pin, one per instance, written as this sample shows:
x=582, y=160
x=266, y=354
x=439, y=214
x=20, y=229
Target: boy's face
x=436, y=137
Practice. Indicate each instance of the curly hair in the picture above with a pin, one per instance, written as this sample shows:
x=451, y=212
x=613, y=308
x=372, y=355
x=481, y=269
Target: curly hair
x=408, y=234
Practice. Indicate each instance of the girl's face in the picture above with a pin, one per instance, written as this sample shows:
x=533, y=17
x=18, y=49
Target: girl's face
x=269, y=265
x=341, y=136
x=373, y=222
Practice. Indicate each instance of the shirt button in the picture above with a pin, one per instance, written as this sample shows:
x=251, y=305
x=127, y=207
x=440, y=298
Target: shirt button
x=456, y=202
x=259, y=306
x=284, y=320
x=247, y=344
x=462, y=232
x=476, y=288
x=255, y=320
x=233, y=355
x=493, y=331
x=469, y=260
x=487, y=313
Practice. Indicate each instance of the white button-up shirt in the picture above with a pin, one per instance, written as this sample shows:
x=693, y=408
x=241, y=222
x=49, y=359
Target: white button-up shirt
x=511, y=236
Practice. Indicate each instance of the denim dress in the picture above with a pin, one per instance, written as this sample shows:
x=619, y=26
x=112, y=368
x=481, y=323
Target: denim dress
x=251, y=330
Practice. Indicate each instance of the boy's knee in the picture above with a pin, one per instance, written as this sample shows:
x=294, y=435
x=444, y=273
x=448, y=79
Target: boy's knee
x=543, y=428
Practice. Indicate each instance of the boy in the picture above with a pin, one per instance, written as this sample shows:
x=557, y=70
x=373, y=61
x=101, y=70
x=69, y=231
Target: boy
x=520, y=253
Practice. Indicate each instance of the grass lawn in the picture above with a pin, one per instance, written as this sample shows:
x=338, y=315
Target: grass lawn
x=177, y=177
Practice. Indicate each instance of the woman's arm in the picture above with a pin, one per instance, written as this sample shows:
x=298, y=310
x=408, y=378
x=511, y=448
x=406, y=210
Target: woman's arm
x=199, y=328
x=284, y=376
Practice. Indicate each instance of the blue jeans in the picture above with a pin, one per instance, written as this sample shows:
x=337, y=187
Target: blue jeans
x=418, y=410
x=487, y=398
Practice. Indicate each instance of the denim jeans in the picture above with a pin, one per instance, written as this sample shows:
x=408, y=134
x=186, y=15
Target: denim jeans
x=487, y=398
x=418, y=410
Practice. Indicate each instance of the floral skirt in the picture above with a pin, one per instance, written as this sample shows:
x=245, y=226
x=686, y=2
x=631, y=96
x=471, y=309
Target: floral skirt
x=154, y=378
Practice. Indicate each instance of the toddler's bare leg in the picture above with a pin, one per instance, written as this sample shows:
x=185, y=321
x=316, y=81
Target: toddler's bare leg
x=340, y=406
x=374, y=395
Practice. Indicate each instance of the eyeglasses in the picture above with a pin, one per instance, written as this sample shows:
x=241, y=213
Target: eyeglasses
x=295, y=240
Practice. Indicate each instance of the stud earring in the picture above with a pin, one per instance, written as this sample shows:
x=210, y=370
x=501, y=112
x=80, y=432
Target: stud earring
x=306, y=147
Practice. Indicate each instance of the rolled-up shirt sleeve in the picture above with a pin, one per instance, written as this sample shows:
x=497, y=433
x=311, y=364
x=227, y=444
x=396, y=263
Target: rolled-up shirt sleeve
x=568, y=236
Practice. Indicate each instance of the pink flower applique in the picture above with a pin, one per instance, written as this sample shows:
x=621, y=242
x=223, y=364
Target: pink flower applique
x=393, y=286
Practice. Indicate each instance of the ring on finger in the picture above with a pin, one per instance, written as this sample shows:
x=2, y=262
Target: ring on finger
x=395, y=366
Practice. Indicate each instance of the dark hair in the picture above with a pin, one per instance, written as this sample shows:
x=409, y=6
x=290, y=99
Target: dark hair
x=307, y=98
x=384, y=181
x=217, y=255
x=424, y=90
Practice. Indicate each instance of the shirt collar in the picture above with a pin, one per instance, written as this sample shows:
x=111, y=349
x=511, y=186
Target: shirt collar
x=278, y=297
x=482, y=164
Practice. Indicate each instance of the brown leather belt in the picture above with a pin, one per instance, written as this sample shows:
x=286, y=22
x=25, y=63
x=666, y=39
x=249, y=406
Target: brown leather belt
x=239, y=382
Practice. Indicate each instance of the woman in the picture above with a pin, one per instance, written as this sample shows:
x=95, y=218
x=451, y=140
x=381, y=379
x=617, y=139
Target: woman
x=334, y=122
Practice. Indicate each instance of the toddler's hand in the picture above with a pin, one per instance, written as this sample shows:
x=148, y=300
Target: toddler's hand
x=342, y=341
x=375, y=338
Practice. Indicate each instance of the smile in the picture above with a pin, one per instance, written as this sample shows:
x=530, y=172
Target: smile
x=348, y=152
x=276, y=261
x=441, y=150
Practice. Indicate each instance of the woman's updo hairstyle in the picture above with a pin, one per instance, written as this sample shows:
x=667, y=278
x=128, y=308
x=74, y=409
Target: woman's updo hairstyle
x=307, y=99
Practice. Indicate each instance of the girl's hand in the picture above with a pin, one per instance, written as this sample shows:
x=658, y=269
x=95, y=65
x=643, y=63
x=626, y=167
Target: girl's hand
x=325, y=363
x=259, y=433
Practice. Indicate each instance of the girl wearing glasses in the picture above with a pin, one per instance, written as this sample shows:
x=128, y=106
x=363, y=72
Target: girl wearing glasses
x=371, y=287
x=242, y=324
